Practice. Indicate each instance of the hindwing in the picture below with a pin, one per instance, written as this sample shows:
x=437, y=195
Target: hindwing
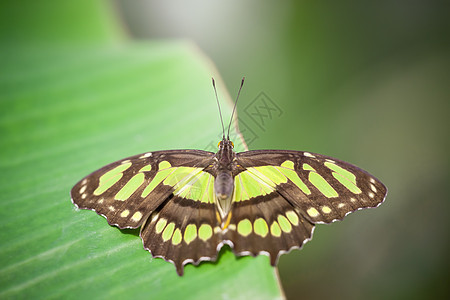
x=182, y=231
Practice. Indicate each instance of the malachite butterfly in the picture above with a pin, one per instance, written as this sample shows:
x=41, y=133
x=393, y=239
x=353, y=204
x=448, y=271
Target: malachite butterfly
x=189, y=203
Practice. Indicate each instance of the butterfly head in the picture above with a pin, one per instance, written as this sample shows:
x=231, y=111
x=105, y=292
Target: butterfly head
x=225, y=143
x=225, y=155
x=225, y=152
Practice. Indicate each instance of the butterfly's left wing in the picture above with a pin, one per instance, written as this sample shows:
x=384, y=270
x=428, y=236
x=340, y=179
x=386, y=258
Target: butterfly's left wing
x=279, y=196
x=168, y=193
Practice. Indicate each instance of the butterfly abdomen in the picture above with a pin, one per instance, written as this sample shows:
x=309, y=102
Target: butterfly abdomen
x=223, y=188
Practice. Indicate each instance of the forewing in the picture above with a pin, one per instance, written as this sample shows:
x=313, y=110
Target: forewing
x=126, y=192
x=322, y=189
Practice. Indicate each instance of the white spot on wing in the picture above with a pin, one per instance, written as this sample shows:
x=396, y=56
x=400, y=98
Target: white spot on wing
x=232, y=227
x=373, y=188
x=155, y=217
x=326, y=209
x=137, y=216
x=308, y=154
x=83, y=189
x=148, y=154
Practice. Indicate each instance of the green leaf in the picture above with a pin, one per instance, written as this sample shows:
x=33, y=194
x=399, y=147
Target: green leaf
x=70, y=22
x=67, y=108
x=67, y=111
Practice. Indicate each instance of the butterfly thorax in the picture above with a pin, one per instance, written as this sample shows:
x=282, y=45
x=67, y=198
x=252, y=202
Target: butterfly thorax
x=224, y=182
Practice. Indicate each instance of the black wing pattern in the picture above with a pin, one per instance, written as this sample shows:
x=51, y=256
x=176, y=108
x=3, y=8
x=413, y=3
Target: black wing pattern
x=298, y=190
x=278, y=198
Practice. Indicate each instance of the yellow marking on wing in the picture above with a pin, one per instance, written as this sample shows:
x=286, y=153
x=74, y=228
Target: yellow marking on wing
x=227, y=221
x=284, y=224
x=168, y=231
x=130, y=187
x=287, y=168
x=244, y=227
x=147, y=168
x=293, y=217
x=160, y=225
x=307, y=167
x=196, y=185
x=263, y=180
x=205, y=232
x=176, y=238
x=190, y=233
x=219, y=220
x=326, y=209
x=275, y=229
x=164, y=170
x=257, y=181
x=260, y=227
x=322, y=185
x=110, y=178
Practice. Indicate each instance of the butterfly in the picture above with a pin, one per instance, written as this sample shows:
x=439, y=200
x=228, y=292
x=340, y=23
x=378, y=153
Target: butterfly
x=189, y=203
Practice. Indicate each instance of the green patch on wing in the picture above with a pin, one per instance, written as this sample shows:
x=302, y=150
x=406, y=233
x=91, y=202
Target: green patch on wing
x=262, y=180
x=108, y=179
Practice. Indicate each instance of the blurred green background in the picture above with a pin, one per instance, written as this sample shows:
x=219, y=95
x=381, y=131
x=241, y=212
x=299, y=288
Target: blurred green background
x=363, y=81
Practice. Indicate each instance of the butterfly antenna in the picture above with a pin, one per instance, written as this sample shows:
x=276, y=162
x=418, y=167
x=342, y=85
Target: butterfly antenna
x=220, y=112
x=234, y=108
